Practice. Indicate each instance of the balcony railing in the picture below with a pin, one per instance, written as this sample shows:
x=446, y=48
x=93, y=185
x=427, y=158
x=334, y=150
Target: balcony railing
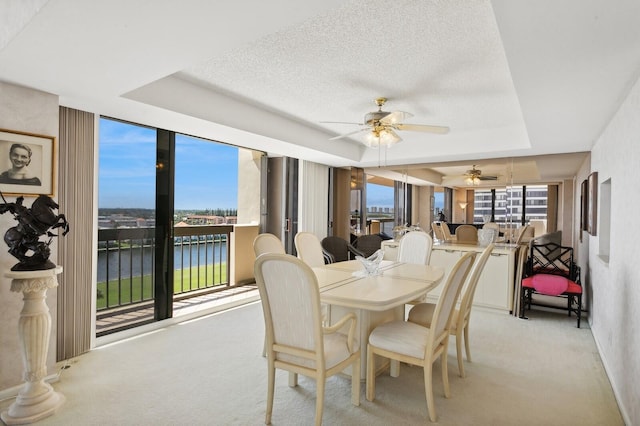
x=126, y=264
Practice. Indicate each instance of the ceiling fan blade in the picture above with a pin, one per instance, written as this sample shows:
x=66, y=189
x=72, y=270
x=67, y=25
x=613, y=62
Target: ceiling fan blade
x=423, y=128
x=346, y=135
x=482, y=177
x=395, y=117
x=340, y=122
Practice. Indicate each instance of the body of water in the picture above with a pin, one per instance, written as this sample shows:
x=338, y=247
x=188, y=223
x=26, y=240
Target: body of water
x=139, y=261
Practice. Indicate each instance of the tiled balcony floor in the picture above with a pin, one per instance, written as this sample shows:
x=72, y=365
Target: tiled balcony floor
x=219, y=300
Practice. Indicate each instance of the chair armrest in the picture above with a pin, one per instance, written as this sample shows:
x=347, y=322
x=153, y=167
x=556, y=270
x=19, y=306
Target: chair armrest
x=328, y=257
x=355, y=251
x=338, y=325
x=575, y=274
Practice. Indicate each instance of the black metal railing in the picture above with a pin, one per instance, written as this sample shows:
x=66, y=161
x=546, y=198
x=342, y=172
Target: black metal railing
x=126, y=263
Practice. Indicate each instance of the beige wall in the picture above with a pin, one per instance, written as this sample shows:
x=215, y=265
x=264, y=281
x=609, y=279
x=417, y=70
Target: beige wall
x=614, y=283
x=36, y=112
x=249, y=186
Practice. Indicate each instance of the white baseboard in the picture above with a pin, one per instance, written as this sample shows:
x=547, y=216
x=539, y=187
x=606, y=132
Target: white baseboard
x=621, y=407
x=13, y=391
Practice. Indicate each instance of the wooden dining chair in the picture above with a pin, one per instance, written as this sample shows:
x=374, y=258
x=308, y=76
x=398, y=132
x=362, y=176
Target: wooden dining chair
x=467, y=234
x=444, y=231
x=368, y=244
x=437, y=231
x=415, y=344
x=339, y=249
x=309, y=249
x=524, y=235
x=422, y=313
x=267, y=243
x=296, y=340
x=415, y=247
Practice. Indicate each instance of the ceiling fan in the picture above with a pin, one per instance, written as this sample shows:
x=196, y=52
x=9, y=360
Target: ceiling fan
x=381, y=126
x=474, y=176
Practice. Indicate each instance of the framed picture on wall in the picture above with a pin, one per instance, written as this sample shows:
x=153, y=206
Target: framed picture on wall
x=584, y=205
x=593, y=204
x=26, y=163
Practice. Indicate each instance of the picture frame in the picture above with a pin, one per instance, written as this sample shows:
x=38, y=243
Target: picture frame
x=593, y=204
x=584, y=205
x=26, y=163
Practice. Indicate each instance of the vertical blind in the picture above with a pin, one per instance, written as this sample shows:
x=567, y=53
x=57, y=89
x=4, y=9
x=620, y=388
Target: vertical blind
x=75, y=251
x=313, y=198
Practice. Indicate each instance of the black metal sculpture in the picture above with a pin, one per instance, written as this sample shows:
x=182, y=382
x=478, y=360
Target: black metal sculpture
x=33, y=222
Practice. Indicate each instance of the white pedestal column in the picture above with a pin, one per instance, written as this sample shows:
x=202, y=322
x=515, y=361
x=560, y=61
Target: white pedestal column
x=37, y=399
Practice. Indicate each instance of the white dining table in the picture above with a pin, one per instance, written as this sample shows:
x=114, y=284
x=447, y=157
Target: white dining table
x=374, y=299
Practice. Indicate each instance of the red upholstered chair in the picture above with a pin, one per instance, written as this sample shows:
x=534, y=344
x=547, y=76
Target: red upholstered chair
x=551, y=271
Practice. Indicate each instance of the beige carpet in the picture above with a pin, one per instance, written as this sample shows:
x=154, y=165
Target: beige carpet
x=541, y=371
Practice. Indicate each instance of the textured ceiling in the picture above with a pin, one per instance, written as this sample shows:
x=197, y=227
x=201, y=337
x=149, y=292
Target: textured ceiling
x=511, y=78
x=441, y=61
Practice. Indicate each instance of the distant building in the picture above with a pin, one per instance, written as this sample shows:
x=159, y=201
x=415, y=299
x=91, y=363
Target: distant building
x=197, y=219
x=121, y=221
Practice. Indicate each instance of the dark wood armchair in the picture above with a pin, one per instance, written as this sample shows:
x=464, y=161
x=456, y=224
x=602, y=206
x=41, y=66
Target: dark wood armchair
x=339, y=249
x=551, y=271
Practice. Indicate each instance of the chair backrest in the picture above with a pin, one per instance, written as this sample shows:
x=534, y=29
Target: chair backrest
x=337, y=247
x=491, y=225
x=467, y=234
x=446, y=232
x=524, y=235
x=309, y=249
x=441, y=320
x=552, y=258
x=437, y=231
x=472, y=282
x=267, y=243
x=415, y=247
x=539, y=227
x=291, y=307
x=368, y=244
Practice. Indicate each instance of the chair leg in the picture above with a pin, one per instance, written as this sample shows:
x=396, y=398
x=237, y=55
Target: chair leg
x=320, y=382
x=271, y=378
x=459, y=353
x=371, y=378
x=522, y=302
x=445, y=369
x=355, y=382
x=428, y=390
x=579, y=308
x=467, y=345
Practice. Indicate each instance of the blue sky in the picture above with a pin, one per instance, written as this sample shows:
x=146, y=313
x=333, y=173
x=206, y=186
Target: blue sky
x=206, y=172
x=379, y=195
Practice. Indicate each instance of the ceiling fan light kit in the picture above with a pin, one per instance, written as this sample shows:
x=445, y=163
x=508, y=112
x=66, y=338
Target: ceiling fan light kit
x=381, y=136
x=381, y=125
x=474, y=176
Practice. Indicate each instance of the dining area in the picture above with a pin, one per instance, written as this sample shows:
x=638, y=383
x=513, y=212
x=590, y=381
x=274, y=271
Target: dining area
x=348, y=318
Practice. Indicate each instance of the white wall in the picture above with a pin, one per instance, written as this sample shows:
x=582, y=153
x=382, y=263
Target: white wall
x=36, y=112
x=615, y=286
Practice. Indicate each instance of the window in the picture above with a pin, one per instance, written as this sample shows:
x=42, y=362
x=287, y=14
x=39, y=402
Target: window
x=517, y=204
x=380, y=206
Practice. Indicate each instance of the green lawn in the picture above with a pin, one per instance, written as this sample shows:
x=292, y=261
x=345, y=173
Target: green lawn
x=141, y=288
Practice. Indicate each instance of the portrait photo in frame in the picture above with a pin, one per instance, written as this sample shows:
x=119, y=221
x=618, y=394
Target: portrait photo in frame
x=26, y=163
